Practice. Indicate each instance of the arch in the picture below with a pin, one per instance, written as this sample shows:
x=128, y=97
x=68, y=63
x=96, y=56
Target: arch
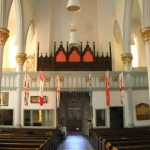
x=20, y=26
x=30, y=39
x=10, y=48
x=61, y=57
x=74, y=56
x=5, y=7
x=136, y=13
x=118, y=46
x=88, y=57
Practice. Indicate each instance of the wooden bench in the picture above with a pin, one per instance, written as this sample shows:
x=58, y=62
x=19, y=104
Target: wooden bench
x=108, y=139
x=29, y=139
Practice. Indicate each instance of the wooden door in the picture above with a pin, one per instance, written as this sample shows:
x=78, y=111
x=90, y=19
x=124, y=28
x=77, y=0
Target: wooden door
x=74, y=120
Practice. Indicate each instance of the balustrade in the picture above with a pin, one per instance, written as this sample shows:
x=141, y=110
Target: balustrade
x=77, y=80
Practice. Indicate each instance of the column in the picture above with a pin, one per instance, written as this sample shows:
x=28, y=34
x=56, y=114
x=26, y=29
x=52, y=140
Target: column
x=127, y=56
x=20, y=59
x=145, y=34
x=4, y=34
x=130, y=105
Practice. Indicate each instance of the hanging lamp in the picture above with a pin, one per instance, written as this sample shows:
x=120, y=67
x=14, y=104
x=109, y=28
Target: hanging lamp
x=73, y=5
x=73, y=36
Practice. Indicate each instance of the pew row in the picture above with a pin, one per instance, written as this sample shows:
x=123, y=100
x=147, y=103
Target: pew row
x=120, y=139
x=30, y=139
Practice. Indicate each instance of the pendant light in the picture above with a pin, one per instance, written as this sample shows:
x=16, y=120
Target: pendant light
x=73, y=36
x=73, y=5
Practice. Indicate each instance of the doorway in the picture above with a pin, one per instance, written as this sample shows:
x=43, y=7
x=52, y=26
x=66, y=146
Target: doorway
x=74, y=111
x=116, y=117
x=74, y=120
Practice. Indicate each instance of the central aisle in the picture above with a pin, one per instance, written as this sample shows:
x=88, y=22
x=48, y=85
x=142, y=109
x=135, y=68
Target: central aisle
x=75, y=142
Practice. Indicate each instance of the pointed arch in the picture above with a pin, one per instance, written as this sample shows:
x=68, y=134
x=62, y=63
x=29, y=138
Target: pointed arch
x=10, y=46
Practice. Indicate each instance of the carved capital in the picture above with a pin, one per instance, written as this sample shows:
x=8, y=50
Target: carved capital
x=4, y=34
x=127, y=59
x=145, y=34
x=20, y=58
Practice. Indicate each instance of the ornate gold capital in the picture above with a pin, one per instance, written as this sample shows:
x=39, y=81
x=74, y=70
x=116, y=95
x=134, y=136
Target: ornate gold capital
x=145, y=34
x=20, y=58
x=127, y=58
x=4, y=34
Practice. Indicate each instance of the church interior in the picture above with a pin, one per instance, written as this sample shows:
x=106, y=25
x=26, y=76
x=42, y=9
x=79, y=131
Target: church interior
x=79, y=65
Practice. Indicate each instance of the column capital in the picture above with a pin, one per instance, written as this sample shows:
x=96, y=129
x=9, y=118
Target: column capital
x=4, y=34
x=20, y=58
x=145, y=34
x=127, y=59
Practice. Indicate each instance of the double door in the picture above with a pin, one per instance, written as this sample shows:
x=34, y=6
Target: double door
x=74, y=119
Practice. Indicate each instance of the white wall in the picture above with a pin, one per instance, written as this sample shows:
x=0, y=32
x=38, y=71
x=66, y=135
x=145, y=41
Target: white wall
x=105, y=24
x=42, y=24
x=99, y=102
x=51, y=105
x=53, y=23
x=140, y=96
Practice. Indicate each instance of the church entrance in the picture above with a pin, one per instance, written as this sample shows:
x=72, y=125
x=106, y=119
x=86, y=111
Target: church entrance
x=116, y=117
x=74, y=120
x=74, y=111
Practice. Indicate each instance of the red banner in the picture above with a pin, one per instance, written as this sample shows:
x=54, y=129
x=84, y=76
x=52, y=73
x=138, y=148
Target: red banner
x=107, y=89
x=41, y=98
x=58, y=90
x=121, y=88
x=26, y=89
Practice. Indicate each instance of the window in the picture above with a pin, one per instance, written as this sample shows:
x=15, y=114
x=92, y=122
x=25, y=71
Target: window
x=100, y=117
x=38, y=117
x=6, y=117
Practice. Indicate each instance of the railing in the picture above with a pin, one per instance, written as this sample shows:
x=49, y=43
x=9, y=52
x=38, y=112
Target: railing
x=76, y=80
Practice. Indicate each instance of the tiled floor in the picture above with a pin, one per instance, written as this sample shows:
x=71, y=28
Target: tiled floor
x=75, y=142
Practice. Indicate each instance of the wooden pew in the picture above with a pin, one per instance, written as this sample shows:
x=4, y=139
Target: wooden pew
x=128, y=138
x=29, y=139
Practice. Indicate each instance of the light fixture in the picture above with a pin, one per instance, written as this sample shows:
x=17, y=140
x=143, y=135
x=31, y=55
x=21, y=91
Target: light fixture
x=73, y=5
x=73, y=36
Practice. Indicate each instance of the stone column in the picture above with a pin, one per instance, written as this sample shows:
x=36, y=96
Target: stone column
x=4, y=34
x=20, y=59
x=130, y=105
x=127, y=56
x=145, y=34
